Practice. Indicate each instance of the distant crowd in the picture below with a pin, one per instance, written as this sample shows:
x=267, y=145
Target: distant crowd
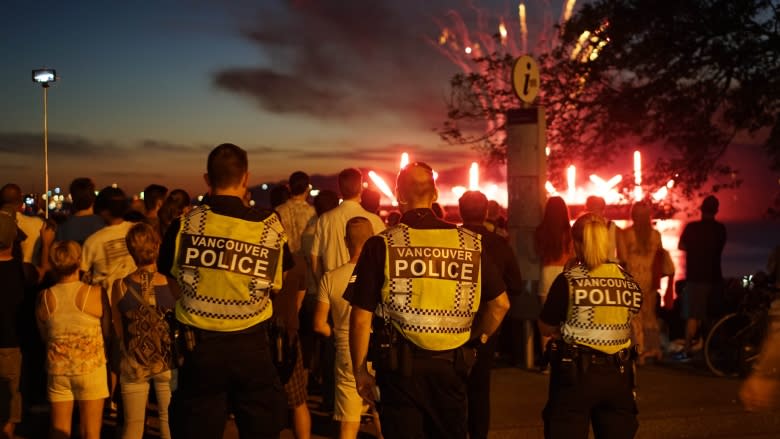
x=95, y=302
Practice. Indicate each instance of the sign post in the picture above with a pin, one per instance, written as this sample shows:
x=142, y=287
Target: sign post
x=526, y=175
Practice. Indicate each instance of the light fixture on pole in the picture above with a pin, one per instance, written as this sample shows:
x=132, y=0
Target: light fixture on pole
x=45, y=77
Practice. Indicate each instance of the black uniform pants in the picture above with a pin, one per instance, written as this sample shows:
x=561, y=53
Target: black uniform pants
x=431, y=403
x=479, y=390
x=597, y=393
x=228, y=373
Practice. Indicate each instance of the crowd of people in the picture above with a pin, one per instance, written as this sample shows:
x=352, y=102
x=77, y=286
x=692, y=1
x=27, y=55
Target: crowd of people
x=235, y=311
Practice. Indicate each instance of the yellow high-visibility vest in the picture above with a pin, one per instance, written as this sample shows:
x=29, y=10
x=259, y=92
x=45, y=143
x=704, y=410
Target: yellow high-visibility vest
x=601, y=305
x=226, y=268
x=432, y=284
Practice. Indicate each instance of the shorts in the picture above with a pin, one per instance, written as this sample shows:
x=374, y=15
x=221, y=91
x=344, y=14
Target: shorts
x=695, y=300
x=296, y=385
x=87, y=387
x=348, y=405
x=10, y=398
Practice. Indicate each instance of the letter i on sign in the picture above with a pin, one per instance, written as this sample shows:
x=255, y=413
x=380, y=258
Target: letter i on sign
x=525, y=79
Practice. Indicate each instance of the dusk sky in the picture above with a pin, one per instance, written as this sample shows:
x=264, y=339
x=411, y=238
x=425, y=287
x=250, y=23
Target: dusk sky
x=147, y=88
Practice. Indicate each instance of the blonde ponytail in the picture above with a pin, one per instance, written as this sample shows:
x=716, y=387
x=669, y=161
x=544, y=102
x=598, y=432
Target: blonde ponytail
x=591, y=238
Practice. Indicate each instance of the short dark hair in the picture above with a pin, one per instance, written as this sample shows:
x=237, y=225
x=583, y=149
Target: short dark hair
x=82, y=193
x=113, y=200
x=227, y=164
x=710, y=205
x=370, y=200
x=152, y=194
x=415, y=185
x=357, y=232
x=325, y=201
x=278, y=195
x=299, y=182
x=350, y=183
x=473, y=207
x=11, y=193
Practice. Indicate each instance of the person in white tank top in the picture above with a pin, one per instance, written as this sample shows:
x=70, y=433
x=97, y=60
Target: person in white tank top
x=69, y=318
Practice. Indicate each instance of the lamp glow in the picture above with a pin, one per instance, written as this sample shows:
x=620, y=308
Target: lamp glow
x=44, y=76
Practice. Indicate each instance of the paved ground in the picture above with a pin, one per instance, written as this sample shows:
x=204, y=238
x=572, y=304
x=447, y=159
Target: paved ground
x=675, y=401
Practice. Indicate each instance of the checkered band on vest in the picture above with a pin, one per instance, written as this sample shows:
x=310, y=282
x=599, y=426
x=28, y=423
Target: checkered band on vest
x=601, y=317
x=254, y=301
x=452, y=299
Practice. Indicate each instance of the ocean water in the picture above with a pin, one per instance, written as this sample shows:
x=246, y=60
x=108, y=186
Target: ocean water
x=748, y=245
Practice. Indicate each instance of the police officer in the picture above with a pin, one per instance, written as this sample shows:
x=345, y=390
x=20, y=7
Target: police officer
x=588, y=313
x=427, y=279
x=226, y=258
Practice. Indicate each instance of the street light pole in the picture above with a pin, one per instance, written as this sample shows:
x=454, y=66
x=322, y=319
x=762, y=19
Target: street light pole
x=45, y=77
x=46, y=146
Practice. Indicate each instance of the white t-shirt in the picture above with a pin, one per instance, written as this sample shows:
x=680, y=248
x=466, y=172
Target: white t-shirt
x=295, y=214
x=332, y=287
x=330, y=230
x=31, y=246
x=104, y=257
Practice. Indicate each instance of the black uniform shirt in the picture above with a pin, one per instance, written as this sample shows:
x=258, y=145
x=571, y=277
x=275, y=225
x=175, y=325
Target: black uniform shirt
x=502, y=255
x=223, y=205
x=557, y=304
x=365, y=287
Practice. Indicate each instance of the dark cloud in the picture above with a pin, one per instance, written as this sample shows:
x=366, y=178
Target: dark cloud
x=160, y=145
x=281, y=93
x=133, y=174
x=346, y=59
x=390, y=153
x=31, y=144
x=262, y=149
x=10, y=167
x=199, y=149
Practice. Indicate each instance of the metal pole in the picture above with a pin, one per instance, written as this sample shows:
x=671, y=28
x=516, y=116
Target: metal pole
x=526, y=174
x=46, y=149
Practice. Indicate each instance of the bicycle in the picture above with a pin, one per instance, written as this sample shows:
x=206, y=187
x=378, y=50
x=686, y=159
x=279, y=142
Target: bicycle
x=734, y=342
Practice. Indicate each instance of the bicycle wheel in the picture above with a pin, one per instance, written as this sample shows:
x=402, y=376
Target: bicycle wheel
x=725, y=344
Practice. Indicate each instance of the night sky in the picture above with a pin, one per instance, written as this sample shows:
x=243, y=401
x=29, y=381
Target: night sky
x=147, y=88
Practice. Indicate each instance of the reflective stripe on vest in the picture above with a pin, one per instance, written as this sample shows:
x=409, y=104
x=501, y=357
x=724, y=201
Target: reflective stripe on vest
x=601, y=305
x=432, y=284
x=226, y=268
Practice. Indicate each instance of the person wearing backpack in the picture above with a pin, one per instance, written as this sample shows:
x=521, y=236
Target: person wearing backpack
x=140, y=302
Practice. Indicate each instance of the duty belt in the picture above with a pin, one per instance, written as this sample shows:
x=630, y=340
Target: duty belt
x=205, y=334
x=581, y=353
x=418, y=352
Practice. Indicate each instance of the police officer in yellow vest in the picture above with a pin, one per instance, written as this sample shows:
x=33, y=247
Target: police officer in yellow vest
x=426, y=279
x=226, y=258
x=588, y=313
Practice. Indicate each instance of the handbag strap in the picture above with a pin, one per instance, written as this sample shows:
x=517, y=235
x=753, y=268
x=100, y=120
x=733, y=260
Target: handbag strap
x=142, y=300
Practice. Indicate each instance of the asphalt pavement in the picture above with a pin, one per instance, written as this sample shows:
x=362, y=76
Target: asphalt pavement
x=675, y=400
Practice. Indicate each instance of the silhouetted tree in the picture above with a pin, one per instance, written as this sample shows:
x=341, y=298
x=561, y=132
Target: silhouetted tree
x=683, y=77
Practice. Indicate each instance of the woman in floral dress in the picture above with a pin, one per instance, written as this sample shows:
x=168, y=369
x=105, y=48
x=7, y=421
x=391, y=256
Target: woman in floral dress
x=637, y=248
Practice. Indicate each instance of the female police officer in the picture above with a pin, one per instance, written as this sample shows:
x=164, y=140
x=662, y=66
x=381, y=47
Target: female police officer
x=588, y=313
